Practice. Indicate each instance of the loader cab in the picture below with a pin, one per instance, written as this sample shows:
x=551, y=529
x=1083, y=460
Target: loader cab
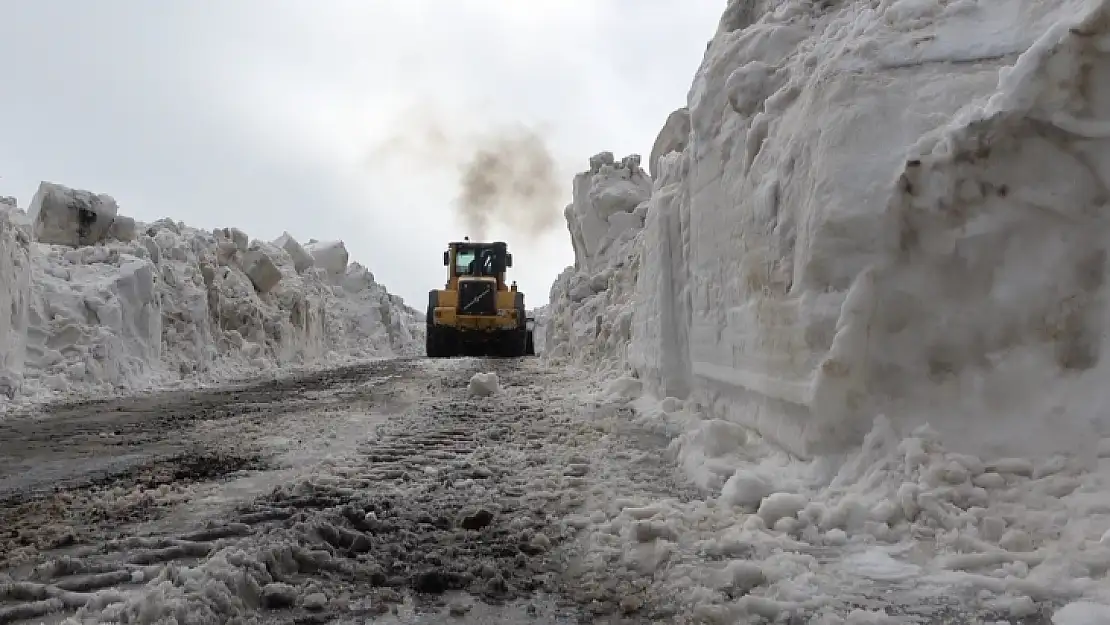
x=469, y=259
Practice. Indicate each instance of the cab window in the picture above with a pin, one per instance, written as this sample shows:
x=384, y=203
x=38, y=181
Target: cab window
x=463, y=259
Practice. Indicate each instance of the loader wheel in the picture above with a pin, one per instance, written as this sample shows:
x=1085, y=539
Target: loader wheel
x=437, y=342
x=431, y=342
x=512, y=344
x=500, y=346
x=520, y=343
x=446, y=344
x=529, y=345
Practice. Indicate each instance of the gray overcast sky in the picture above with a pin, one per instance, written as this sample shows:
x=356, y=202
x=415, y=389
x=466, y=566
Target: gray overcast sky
x=265, y=114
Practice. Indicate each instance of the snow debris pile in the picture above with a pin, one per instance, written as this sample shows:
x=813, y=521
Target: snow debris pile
x=902, y=522
x=872, y=217
x=94, y=302
x=483, y=384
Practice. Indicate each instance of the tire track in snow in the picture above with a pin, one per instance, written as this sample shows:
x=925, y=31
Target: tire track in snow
x=63, y=543
x=454, y=494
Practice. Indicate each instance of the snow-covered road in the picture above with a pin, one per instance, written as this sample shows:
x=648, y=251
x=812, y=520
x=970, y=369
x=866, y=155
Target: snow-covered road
x=389, y=493
x=337, y=496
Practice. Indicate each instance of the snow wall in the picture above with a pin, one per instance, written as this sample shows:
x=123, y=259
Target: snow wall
x=92, y=302
x=865, y=208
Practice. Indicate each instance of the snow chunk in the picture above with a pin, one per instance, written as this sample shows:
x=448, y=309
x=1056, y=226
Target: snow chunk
x=644, y=531
x=742, y=576
x=780, y=505
x=483, y=384
x=331, y=256
x=673, y=137
x=261, y=270
x=236, y=236
x=122, y=229
x=747, y=87
x=315, y=601
x=302, y=260
x=746, y=488
x=357, y=278
x=65, y=216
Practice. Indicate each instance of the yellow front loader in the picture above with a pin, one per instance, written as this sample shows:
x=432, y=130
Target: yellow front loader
x=476, y=313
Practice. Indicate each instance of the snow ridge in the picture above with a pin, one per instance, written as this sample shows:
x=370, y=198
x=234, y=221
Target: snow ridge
x=137, y=306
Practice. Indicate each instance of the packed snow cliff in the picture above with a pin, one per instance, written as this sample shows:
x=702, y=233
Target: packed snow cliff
x=868, y=208
x=588, y=319
x=92, y=302
x=862, y=283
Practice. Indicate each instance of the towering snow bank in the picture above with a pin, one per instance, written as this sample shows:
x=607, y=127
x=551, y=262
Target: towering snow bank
x=588, y=320
x=914, y=233
x=173, y=303
x=884, y=214
x=889, y=208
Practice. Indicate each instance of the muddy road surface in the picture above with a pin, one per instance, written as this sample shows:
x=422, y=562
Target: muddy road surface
x=383, y=492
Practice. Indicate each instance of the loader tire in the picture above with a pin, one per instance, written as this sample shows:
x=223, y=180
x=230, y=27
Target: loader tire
x=521, y=343
x=529, y=344
x=431, y=342
x=499, y=346
x=437, y=343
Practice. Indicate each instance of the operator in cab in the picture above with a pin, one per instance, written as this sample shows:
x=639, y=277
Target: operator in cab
x=482, y=265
